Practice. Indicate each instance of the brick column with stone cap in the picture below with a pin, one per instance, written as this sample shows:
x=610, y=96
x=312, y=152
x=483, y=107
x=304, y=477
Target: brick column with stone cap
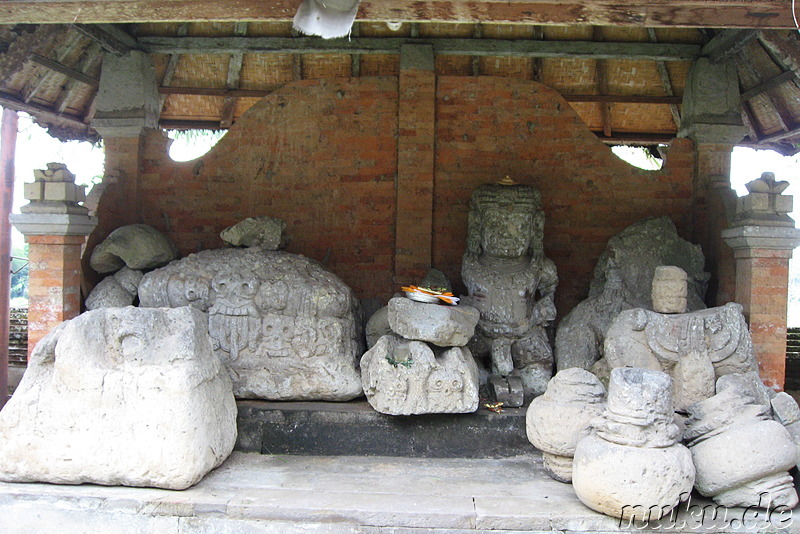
x=763, y=237
x=55, y=227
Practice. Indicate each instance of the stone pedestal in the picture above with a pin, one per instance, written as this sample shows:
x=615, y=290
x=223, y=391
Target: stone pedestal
x=763, y=237
x=55, y=226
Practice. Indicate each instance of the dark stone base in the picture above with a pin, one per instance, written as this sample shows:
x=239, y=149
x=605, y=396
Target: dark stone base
x=355, y=429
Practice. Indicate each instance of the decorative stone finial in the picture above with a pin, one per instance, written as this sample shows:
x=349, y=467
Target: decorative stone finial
x=507, y=181
x=767, y=184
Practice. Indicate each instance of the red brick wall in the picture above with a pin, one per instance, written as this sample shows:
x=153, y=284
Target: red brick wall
x=322, y=155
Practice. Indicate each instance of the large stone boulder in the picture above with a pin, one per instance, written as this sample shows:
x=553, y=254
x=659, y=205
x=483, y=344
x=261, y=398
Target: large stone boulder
x=623, y=279
x=126, y=396
x=286, y=328
x=137, y=245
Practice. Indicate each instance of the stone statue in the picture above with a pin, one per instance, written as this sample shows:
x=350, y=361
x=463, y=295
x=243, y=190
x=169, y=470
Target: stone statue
x=741, y=454
x=694, y=348
x=623, y=279
x=511, y=283
x=631, y=466
x=286, y=328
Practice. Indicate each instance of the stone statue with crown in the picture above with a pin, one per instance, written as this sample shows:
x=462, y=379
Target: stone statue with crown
x=512, y=284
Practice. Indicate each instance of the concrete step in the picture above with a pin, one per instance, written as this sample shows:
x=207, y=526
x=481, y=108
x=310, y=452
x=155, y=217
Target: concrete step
x=253, y=493
x=354, y=428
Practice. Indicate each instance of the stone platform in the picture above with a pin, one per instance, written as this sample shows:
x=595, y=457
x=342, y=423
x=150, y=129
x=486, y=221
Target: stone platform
x=253, y=493
x=355, y=429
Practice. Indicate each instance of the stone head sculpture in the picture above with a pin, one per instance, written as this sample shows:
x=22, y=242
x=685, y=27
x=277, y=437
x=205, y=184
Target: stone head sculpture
x=505, y=221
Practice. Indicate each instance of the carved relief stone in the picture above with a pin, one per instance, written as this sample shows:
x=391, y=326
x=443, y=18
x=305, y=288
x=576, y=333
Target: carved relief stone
x=742, y=456
x=128, y=396
x=510, y=282
x=694, y=348
x=286, y=328
x=404, y=377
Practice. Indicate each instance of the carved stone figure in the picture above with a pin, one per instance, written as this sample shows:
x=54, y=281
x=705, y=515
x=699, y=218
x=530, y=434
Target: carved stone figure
x=693, y=348
x=128, y=396
x=136, y=246
x=623, y=279
x=742, y=456
x=670, y=289
x=404, y=377
x=263, y=231
x=557, y=420
x=115, y=291
x=632, y=465
x=510, y=282
x=286, y=328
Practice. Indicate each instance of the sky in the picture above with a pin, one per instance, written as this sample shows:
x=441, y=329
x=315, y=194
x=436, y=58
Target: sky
x=35, y=148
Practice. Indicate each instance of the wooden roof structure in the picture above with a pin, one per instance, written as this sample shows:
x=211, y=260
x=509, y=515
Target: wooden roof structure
x=621, y=64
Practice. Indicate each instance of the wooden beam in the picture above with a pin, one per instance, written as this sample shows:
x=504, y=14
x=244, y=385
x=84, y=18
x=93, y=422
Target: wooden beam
x=63, y=51
x=750, y=121
x=727, y=44
x=111, y=38
x=91, y=56
x=172, y=66
x=769, y=84
x=43, y=112
x=635, y=138
x=780, y=136
x=655, y=13
x=175, y=124
x=203, y=91
x=663, y=72
x=602, y=85
x=63, y=69
x=623, y=99
x=441, y=46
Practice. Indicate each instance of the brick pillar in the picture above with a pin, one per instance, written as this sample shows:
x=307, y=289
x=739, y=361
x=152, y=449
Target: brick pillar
x=763, y=238
x=54, y=282
x=713, y=200
x=55, y=227
x=415, y=163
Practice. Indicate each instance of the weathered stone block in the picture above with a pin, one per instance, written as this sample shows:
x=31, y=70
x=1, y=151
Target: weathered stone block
x=126, y=396
x=402, y=377
x=267, y=232
x=444, y=326
x=286, y=328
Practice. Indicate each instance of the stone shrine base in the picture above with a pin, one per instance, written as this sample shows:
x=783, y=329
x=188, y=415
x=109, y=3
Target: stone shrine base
x=254, y=493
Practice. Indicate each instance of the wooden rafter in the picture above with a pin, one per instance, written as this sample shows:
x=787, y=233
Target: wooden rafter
x=90, y=58
x=233, y=79
x=113, y=40
x=62, y=52
x=659, y=13
x=602, y=86
x=172, y=66
x=727, y=44
x=666, y=82
x=12, y=102
x=769, y=84
x=774, y=100
x=63, y=69
x=441, y=46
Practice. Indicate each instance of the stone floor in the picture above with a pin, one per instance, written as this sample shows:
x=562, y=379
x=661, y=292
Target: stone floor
x=253, y=493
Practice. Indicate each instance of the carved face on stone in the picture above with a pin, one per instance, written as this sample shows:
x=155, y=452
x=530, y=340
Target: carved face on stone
x=506, y=231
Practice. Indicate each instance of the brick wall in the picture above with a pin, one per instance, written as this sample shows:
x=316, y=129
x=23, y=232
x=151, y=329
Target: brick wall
x=323, y=156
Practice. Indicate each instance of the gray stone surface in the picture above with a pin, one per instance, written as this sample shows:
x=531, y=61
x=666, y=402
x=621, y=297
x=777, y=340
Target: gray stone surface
x=286, y=328
x=377, y=326
x=670, y=289
x=136, y=246
x=263, y=231
x=441, y=325
x=115, y=291
x=694, y=348
x=742, y=456
x=402, y=377
x=786, y=411
x=623, y=279
x=124, y=396
x=511, y=283
x=252, y=493
x=632, y=463
x=557, y=420
x=127, y=99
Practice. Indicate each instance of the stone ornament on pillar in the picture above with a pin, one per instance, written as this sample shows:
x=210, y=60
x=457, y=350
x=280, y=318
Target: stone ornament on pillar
x=763, y=237
x=54, y=207
x=55, y=226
